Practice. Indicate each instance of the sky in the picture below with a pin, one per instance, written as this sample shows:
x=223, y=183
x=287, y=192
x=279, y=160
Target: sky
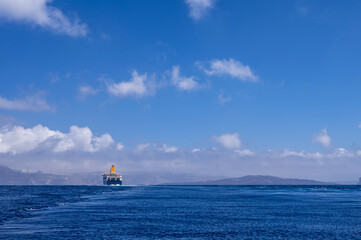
x=209, y=87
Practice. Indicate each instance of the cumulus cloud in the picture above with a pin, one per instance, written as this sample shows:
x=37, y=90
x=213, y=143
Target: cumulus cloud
x=120, y=146
x=138, y=86
x=229, y=141
x=154, y=160
x=17, y=139
x=30, y=103
x=39, y=12
x=230, y=67
x=82, y=139
x=40, y=148
x=181, y=82
x=322, y=138
x=199, y=8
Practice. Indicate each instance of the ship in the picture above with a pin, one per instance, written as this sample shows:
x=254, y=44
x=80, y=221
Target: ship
x=112, y=178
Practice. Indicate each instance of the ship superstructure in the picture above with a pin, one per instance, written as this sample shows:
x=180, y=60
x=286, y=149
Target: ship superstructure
x=112, y=178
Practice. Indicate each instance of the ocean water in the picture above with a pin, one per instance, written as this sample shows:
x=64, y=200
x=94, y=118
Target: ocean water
x=180, y=212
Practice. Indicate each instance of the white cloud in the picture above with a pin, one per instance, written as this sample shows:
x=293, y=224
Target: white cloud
x=155, y=147
x=303, y=154
x=138, y=86
x=40, y=148
x=229, y=67
x=181, y=82
x=199, y=8
x=287, y=153
x=341, y=153
x=33, y=149
x=120, y=146
x=244, y=152
x=82, y=139
x=18, y=139
x=39, y=12
x=86, y=90
x=359, y=125
x=30, y=103
x=222, y=99
x=168, y=149
x=323, y=138
x=229, y=141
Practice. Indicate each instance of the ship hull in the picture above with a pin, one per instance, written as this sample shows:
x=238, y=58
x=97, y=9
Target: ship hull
x=113, y=183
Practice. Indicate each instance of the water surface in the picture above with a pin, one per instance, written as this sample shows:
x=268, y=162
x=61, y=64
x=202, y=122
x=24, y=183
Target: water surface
x=181, y=212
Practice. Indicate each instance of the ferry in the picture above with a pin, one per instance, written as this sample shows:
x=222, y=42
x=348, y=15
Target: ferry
x=112, y=178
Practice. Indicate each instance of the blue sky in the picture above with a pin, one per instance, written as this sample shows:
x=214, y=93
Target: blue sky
x=237, y=78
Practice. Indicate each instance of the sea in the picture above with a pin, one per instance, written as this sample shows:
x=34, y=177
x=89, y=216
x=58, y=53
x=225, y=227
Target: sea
x=180, y=212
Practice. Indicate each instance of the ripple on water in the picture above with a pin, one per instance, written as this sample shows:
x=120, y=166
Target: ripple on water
x=262, y=212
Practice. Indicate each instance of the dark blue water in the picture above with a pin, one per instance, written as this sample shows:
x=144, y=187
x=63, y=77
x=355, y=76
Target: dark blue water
x=184, y=212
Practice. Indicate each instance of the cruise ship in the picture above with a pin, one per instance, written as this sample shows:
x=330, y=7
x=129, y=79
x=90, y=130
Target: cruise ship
x=112, y=178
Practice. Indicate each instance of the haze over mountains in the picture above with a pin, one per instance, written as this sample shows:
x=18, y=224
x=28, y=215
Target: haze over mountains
x=15, y=177
x=257, y=180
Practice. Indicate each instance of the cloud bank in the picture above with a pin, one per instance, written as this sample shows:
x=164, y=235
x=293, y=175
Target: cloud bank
x=40, y=13
x=78, y=150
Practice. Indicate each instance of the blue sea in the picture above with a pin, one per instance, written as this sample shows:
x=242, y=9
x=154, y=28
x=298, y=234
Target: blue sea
x=180, y=212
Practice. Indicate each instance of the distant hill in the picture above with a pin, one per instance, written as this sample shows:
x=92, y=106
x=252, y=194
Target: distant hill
x=256, y=180
x=14, y=177
x=10, y=176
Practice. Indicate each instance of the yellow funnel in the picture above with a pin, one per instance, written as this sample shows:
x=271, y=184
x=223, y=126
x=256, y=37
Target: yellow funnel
x=112, y=169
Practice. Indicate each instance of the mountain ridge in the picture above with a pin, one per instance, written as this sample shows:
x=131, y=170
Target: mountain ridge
x=256, y=180
x=10, y=176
